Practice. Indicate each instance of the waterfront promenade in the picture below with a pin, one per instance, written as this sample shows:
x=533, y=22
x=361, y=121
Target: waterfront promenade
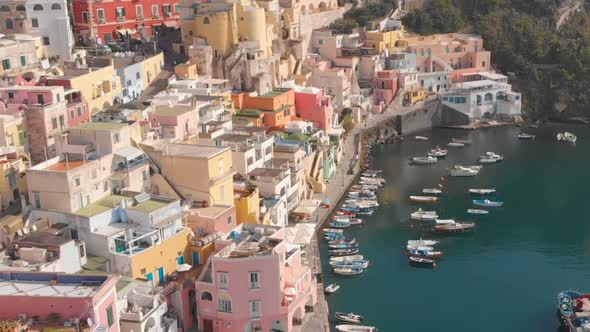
x=336, y=188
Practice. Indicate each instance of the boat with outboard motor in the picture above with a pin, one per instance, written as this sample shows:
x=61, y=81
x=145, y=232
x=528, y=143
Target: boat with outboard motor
x=348, y=317
x=423, y=160
x=345, y=258
x=343, y=252
x=526, y=136
x=362, y=263
x=451, y=226
x=459, y=170
x=455, y=145
x=482, y=191
x=331, y=288
x=431, y=191
x=348, y=271
x=422, y=253
x=487, y=203
x=422, y=261
x=438, y=152
x=424, y=199
x=355, y=328
x=424, y=215
x=477, y=211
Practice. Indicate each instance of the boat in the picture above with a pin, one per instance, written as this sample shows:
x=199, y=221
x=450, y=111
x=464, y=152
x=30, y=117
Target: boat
x=477, y=211
x=348, y=271
x=431, y=191
x=569, y=137
x=455, y=145
x=451, y=226
x=526, y=136
x=338, y=241
x=424, y=253
x=345, y=213
x=363, y=264
x=462, y=141
x=343, y=245
x=423, y=160
x=490, y=158
x=482, y=191
x=421, y=138
x=424, y=199
x=348, y=317
x=339, y=224
x=331, y=288
x=422, y=261
x=438, y=152
x=344, y=252
x=333, y=236
x=459, y=170
x=355, y=328
x=345, y=258
x=560, y=137
x=409, y=247
x=487, y=202
x=332, y=230
x=424, y=215
x=365, y=212
x=574, y=310
x=422, y=242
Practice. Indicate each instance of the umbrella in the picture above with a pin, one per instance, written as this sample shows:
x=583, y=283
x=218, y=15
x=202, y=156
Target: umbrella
x=183, y=267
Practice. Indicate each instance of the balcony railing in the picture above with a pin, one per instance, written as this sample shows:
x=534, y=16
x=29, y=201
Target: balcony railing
x=120, y=18
x=133, y=164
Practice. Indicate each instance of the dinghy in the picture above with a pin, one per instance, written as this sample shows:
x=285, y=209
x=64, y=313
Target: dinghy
x=422, y=261
x=429, y=254
x=431, y=191
x=345, y=258
x=355, y=328
x=423, y=160
x=450, y=226
x=477, y=211
x=462, y=141
x=363, y=264
x=438, y=152
x=424, y=199
x=348, y=271
x=569, y=137
x=332, y=288
x=487, y=203
x=422, y=138
x=455, y=145
x=348, y=317
x=482, y=191
x=526, y=136
x=424, y=215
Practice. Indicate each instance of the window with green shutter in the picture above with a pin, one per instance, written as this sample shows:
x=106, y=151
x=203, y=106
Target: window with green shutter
x=6, y=64
x=21, y=138
x=23, y=60
x=110, y=316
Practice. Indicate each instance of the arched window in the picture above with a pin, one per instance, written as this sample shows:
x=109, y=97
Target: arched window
x=20, y=8
x=206, y=296
x=37, y=7
x=9, y=25
x=55, y=6
x=4, y=9
x=206, y=21
x=488, y=97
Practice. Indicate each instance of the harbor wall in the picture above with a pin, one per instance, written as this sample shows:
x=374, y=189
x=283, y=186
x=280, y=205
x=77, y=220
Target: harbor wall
x=421, y=119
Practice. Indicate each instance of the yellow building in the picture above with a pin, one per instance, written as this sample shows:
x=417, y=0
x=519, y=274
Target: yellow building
x=12, y=178
x=247, y=202
x=151, y=68
x=384, y=40
x=12, y=133
x=186, y=70
x=415, y=95
x=223, y=25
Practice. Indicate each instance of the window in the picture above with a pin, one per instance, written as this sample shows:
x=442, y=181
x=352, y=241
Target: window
x=82, y=251
x=137, y=75
x=77, y=182
x=9, y=24
x=23, y=60
x=100, y=14
x=72, y=114
x=223, y=279
x=321, y=42
x=255, y=308
x=45, y=40
x=206, y=296
x=176, y=8
x=128, y=82
x=120, y=11
x=54, y=123
x=85, y=17
x=110, y=316
x=166, y=10
x=229, y=220
x=116, y=138
x=254, y=280
x=11, y=179
x=55, y=6
x=10, y=95
x=37, y=200
x=62, y=121
x=37, y=7
x=206, y=21
x=6, y=64
x=224, y=304
x=4, y=9
x=155, y=12
x=105, y=186
x=20, y=8
x=139, y=11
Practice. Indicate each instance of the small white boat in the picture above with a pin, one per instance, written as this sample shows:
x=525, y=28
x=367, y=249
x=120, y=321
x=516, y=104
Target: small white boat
x=332, y=288
x=463, y=171
x=438, y=152
x=421, y=138
x=569, y=137
x=560, y=137
x=349, y=317
x=332, y=230
x=462, y=141
x=431, y=191
x=456, y=145
x=355, y=328
x=423, y=160
x=482, y=191
x=526, y=136
x=424, y=215
x=421, y=242
x=348, y=271
x=477, y=211
x=409, y=247
x=490, y=158
x=347, y=258
x=424, y=199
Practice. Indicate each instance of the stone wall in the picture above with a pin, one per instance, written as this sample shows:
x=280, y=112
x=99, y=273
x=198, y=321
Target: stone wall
x=423, y=118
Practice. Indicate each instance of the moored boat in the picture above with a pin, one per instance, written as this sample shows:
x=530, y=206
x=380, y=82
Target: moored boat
x=431, y=191
x=421, y=138
x=438, y=152
x=526, y=136
x=482, y=191
x=451, y=226
x=421, y=253
x=487, y=203
x=331, y=288
x=477, y=211
x=490, y=158
x=424, y=215
x=363, y=264
x=424, y=199
x=455, y=145
x=462, y=141
x=355, y=328
x=348, y=317
x=339, y=224
x=422, y=261
x=343, y=252
x=348, y=271
x=422, y=242
x=332, y=230
x=459, y=170
x=344, y=258
x=423, y=160
x=574, y=310
x=343, y=245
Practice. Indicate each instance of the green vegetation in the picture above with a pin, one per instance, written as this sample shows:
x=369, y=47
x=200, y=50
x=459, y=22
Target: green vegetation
x=344, y=25
x=551, y=66
x=348, y=123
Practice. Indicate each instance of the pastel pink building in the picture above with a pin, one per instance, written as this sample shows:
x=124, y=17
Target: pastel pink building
x=385, y=88
x=59, y=298
x=255, y=282
x=77, y=108
x=211, y=220
x=44, y=109
x=311, y=104
x=178, y=122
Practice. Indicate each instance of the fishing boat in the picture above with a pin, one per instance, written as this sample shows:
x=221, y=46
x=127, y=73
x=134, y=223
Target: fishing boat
x=422, y=242
x=363, y=264
x=490, y=158
x=332, y=230
x=409, y=247
x=343, y=245
x=451, y=226
x=355, y=328
x=333, y=236
x=438, y=152
x=462, y=141
x=482, y=191
x=429, y=254
x=346, y=258
x=459, y=170
x=431, y=191
x=343, y=252
x=487, y=203
x=421, y=261
x=348, y=271
x=477, y=211
x=573, y=309
x=424, y=215
x=421, y=138
x=526, y=136
x=569, y=137
x=455, y=145
x=365, y=212
x=348, y=317
x=331, y=288
x=339, y=224
x=345, y=213
x=424, y=199
x=423, y=160
x=339, y=241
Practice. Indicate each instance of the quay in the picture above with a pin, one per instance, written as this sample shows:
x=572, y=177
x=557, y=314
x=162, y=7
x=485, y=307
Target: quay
x=336, y=188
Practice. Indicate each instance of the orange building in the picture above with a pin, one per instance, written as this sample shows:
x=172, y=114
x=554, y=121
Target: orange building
x=273, y=109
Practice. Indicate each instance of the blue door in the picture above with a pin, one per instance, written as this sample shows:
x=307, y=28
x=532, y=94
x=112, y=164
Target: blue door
x=150, y=278
x=161, y=276
x=180, y=260
x=196, y=258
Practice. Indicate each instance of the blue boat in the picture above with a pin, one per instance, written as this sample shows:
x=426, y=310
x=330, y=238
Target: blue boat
x=339, y=224
x=365, y=212
x=333, y=236
x=358, y=263
x=565, y=302
x=349, y=208
x=487, y=203
x=343, y=245
x=573, y=309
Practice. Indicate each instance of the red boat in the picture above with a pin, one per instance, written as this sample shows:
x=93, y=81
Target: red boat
x=345, y=213
x=420, y=253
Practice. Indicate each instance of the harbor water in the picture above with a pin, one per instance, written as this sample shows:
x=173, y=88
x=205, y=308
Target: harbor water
x=503, y=276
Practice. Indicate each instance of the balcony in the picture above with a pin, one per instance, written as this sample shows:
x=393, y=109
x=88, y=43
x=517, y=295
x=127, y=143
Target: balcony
x=120, y=18
x=168, y=14
x=227, y=173
x=101, y=21
x=156, y=16
x=139, y=17
x=131, y=164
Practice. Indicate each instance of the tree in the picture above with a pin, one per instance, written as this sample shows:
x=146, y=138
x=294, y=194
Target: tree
x=344, y=25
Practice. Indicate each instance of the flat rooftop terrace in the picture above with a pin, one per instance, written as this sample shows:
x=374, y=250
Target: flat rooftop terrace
x=49, y=285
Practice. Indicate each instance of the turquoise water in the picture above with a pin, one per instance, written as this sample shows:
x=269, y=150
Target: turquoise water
x=505, y=275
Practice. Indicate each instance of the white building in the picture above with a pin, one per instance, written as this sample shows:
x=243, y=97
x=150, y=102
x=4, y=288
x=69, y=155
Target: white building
x=477, y=99
x=49, y=20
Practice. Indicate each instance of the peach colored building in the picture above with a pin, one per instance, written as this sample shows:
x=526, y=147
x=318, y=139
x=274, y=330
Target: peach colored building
x=275, y=108
x=385, y=88
x=255, y=282
x=60, y=298
x=177, y=122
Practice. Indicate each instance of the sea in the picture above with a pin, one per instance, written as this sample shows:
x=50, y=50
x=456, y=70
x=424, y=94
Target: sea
x=502, y=277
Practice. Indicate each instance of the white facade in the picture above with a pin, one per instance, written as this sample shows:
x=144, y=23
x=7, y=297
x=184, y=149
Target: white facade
x=434, y=81
x=49, y=20
x=479, y=98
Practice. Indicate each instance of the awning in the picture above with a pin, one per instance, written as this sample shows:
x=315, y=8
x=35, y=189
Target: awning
x=126, y=31
x=129, y=153
x=171, y=24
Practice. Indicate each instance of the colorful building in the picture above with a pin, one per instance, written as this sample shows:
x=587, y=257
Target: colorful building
x=274, y=109
x=255, y=285
x=247, y=202
x=19, y=53
x=12, y=176
x=105, y=21
x=311, y=104
x=50, y=21
x=177, y=122
x=385, y=88
x=68, y=302
x=13, y=14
